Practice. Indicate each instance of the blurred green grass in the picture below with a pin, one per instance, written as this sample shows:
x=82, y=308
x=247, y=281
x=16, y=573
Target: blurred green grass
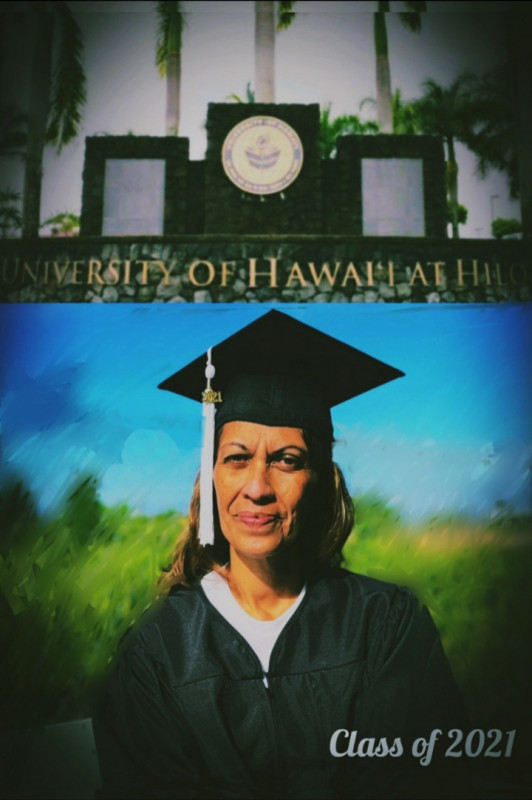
x=71, y=585
x=69, y=588
x=475, y=578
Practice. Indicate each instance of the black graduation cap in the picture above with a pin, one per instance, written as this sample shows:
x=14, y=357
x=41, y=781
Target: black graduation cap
x=279, y=371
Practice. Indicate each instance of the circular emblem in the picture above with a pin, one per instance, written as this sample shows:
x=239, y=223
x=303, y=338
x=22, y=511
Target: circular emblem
x=262, y=155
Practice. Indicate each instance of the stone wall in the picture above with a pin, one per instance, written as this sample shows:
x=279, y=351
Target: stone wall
x=352, y=150
x=326, y=197
x=179, y=197
x=229, y=268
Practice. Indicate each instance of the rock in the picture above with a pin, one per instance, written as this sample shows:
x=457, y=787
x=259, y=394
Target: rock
x=168, y=288
x=289, y=295
x=31, y=294
x=307, y=293
x=387, y=292
x=225, y=295
x=146, y=294
x=449, y=297
x=403, y=290
x=239, y=287
x=202, y=296
x=110, y=294
x=339, y=297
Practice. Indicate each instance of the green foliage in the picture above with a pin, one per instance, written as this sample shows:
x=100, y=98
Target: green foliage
x=10, y=215
x=68, y=93
x=13, y=135
x=461, y=213
x=70, y=587
x=491, y=134
x=474, y=578
x=171, y=22
x=406, y=120
x=64, y=224
x=447, y=110
x=285, y=14
x=405, y=116
x=346, y=124
x=250, y=95
x=411, y=19
x=501, y=227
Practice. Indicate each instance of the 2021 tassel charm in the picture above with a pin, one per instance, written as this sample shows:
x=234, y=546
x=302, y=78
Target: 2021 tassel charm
x=209, y=398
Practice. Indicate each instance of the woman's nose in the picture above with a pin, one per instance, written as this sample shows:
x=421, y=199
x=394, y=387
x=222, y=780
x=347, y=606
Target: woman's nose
x=258, y=486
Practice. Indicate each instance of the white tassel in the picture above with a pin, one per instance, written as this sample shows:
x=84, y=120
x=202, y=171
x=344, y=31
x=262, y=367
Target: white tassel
x=206, y=520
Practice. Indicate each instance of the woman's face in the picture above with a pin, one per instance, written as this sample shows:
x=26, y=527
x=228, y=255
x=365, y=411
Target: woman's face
x=262, y=478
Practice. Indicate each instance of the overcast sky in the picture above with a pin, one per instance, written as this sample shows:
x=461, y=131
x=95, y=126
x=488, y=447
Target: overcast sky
x=326, y=56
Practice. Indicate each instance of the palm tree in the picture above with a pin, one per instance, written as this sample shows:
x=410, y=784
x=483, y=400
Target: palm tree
x=57, y=95
x=13, y=136
x=168, y=59
x=347, y=124
x=265, y=26
x=405, y=116
x=411, y=20
x=492, y=135
x=448, y=112
x=63, y=224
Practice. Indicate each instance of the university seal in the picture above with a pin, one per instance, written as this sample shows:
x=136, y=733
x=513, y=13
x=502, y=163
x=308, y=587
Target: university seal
x=262, y=155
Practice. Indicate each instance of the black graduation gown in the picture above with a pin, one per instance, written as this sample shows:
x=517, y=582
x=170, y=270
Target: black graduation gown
x=186, y=712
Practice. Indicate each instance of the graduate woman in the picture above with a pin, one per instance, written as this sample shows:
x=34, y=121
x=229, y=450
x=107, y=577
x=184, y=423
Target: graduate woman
x=268, y=671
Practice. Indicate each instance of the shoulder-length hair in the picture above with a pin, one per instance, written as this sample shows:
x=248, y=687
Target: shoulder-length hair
x=329, y=519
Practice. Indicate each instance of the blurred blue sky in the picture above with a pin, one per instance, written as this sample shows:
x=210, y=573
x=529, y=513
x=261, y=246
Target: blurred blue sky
x=79, y=394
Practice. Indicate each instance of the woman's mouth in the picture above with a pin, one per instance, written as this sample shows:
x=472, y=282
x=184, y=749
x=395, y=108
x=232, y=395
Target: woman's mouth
x=256, y=519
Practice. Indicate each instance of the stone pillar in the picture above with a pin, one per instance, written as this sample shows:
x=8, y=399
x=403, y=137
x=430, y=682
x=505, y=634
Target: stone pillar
x=296, y=208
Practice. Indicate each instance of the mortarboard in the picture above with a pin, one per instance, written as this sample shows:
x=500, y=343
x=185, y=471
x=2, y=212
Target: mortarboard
x=274, y=371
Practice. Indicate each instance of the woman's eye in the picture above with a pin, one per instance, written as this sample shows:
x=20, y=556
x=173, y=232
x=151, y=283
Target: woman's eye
x=288, y=461
x=235, y=458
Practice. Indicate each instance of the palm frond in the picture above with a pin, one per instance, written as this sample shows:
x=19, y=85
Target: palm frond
x=163, y=26
x=411, y=19
x=344, y=125
x=491, y=134
x=406, y=120
x=171, y=22
x=65, y=217
x=416, y=6
x=9, y=196
x=285, y=15
x=13, y=135
x=68, y=92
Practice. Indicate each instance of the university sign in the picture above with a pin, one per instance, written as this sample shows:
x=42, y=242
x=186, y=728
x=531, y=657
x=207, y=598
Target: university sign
x=255, y=271
x=240, y=272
